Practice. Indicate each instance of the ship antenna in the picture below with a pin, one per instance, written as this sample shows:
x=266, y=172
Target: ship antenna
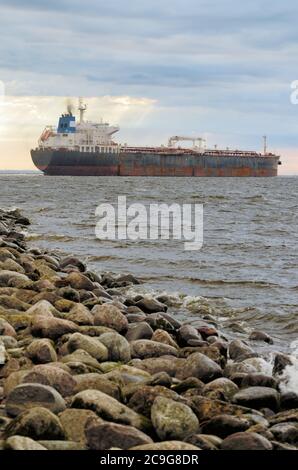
x=82, y=108
x=265, y=144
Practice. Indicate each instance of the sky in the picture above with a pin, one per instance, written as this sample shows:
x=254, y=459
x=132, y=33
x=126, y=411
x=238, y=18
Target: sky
x=220, y=69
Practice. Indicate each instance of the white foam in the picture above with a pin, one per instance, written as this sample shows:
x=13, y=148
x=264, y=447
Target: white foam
x=289, y=377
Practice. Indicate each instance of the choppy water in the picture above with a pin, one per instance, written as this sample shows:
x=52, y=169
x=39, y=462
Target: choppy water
x=246, y=271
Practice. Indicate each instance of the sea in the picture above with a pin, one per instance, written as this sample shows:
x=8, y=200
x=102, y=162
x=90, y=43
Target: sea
x=245, y=276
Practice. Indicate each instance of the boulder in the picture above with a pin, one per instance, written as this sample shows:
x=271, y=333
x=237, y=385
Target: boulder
x=103, y=436
x=206, y=408
x=139, y=330
x=96, y=381
x=41, y=351
x=51, y=328
x=26, y=396
x=79, y=281
x=238, y=351
x=168, y=364
x=6, y=328
x=224, y=425
x=188, y=336
x=143, y=398
x=200, y=366
x=110, y=316
x=80, y=315
x=148, y=305
x=173, y=420
x=117, y=346
x=92, y=346
x=36, y=423
x=109, y=409
x=258, y=380
x=224, y=385
x=22, y=443
x=164, y=337
x=246, y=441
x=285, y=432
x=13, y=279
x=204, y=441
x=260, y=336
x=145, y=348
x=74, y=423
x=257, y=397
x=53, y=376
x=166, y=445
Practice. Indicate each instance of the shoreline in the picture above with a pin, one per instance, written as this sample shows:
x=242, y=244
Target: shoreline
x=83, y=366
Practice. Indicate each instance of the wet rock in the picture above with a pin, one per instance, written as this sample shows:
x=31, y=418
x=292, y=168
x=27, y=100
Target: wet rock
x=231, y=369
x=74, y=423
x=110, y=316
x=95, y=381
x=41, y=351
x=3, y=355
x=92, y=346
x=151, y=305
x=200, y=366
x=288, y=400
x=246, y=441
x=140, y=330
x=159, y=321
x=126, y=375
x=109, y=409
x=80, y=315
x=36, y=423
x=260, y=336
x=224, y=385
x=238, y=351
x=79, y=281
x=27, y=396
x=51, y=328
x=22, y=443
x=204, y=441
x=145, y=348
x=285, y=432
x=188, y=336
x=64, y=305
x=53, y=376
x=166, y=445
x=258, y=380
x=257, y=397
x=173, y=420
x=224, y=425
x=117, y=346
x=72, y=261
x=164, y=337
x=281, y=361
x=143, y=398
x=103, y=436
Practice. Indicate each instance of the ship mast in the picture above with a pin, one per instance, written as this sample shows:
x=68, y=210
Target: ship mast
x=265, y=144
x=82, y=108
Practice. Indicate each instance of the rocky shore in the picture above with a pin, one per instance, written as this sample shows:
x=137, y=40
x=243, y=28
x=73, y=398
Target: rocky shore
x=85, y=366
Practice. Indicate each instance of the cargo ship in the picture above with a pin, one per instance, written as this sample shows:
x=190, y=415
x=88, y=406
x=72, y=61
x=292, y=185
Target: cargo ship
x=86, y=148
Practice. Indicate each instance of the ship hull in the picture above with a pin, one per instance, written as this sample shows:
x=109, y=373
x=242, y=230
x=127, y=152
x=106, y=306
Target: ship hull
x=75, y=163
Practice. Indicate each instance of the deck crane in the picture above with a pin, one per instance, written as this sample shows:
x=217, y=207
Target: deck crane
x=176, y=138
